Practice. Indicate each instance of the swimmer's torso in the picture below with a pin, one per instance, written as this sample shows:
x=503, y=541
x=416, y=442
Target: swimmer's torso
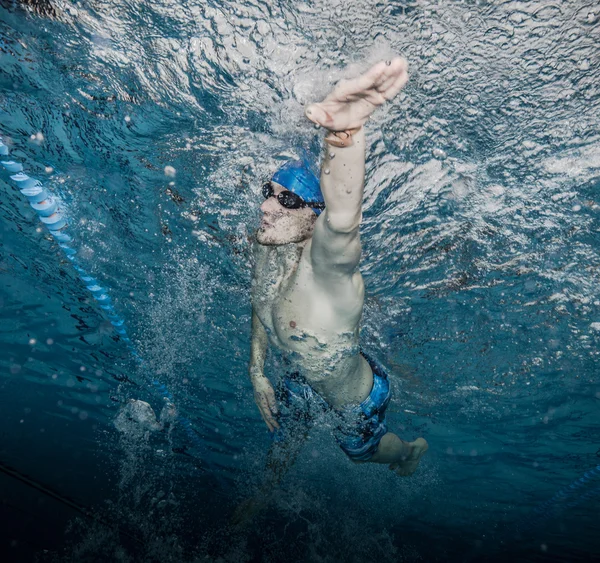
x=315, y=327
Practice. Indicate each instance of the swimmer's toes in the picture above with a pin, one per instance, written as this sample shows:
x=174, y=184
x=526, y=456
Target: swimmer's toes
x=409, y=465
x=420, y=447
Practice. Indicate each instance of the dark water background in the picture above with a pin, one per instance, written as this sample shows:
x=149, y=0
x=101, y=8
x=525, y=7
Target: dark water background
x=155, y=123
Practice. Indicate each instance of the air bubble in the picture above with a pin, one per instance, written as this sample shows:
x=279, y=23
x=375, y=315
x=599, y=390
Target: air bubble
x=331, y=155
x=326, y=171
x=584, y=65
x=388, y=63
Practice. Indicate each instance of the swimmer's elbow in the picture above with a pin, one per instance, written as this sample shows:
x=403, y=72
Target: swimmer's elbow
x=343, y=222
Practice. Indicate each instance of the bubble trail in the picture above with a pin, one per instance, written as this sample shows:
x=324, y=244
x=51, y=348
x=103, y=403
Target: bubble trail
x=51, y=212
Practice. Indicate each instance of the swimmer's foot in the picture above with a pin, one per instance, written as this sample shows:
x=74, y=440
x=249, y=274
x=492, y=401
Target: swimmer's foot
x=352, y=101
x=408, y=465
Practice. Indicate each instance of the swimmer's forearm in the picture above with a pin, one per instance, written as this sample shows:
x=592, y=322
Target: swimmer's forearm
x=258, y=348
x=342, y=183
x=264, y=395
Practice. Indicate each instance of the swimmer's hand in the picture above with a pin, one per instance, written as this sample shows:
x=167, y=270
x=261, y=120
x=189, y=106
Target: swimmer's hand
x=264, y=396
x=352, y=101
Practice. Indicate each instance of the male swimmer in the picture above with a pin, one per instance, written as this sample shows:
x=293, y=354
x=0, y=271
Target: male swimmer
x=308, y=294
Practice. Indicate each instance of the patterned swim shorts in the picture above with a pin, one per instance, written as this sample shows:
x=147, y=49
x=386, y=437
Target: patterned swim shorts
x=360, y=427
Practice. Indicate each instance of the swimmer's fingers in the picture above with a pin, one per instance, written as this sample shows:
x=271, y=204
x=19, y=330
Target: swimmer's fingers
x=390, y=90
x=264, y=396
x=377, y=79
x=261, y=403
x=267, y=412
x=369, y=80
x=272, y=409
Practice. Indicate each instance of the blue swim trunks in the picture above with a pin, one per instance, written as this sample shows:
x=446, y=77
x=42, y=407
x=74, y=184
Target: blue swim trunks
x=360, y=427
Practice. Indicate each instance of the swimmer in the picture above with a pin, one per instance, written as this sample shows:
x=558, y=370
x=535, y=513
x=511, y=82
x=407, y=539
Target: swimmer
x=308, y=294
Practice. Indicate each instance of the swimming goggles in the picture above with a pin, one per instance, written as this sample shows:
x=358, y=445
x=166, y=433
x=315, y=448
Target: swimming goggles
x=288, y=199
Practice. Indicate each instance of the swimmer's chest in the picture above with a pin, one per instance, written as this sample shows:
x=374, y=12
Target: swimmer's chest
x=301, y=316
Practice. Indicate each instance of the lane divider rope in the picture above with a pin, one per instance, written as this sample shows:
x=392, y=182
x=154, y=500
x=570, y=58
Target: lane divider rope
x=51, y=212
x=546, y=509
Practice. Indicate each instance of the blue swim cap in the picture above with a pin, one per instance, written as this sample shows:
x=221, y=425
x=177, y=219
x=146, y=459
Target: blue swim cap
x=297, y=177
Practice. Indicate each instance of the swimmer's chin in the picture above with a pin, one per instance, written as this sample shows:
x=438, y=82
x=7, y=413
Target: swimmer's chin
x=263, y=239
x=268, y=237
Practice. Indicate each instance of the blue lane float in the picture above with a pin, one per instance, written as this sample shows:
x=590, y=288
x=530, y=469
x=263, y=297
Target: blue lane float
x=51, y=212
x=579, y=487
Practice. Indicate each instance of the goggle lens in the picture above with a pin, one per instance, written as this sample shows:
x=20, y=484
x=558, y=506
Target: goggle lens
x=288, y=199
x=267, y=190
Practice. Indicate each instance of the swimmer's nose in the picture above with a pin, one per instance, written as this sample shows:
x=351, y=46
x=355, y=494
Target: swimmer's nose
x=269, y=205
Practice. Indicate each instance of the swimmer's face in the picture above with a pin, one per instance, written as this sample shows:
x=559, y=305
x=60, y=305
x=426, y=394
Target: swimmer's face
x=280, y=225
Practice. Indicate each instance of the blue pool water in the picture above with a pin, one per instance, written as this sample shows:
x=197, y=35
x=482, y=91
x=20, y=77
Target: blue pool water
x=155, y=124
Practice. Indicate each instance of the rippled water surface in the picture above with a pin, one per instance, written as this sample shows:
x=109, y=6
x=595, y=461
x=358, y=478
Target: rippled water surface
x=156, y=123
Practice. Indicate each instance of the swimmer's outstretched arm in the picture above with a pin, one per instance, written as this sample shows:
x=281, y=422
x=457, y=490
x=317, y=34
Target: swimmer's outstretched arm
x=264, y=395
x=335, y=248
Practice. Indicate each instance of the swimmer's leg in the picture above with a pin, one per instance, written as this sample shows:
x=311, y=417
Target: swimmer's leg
x=283, y=454
x=296, y=420
x=287, y=443
x=281, y=457
x=367, y=438
x=402, y=457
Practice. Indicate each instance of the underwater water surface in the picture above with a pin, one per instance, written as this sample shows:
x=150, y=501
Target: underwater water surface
x=155, y=124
